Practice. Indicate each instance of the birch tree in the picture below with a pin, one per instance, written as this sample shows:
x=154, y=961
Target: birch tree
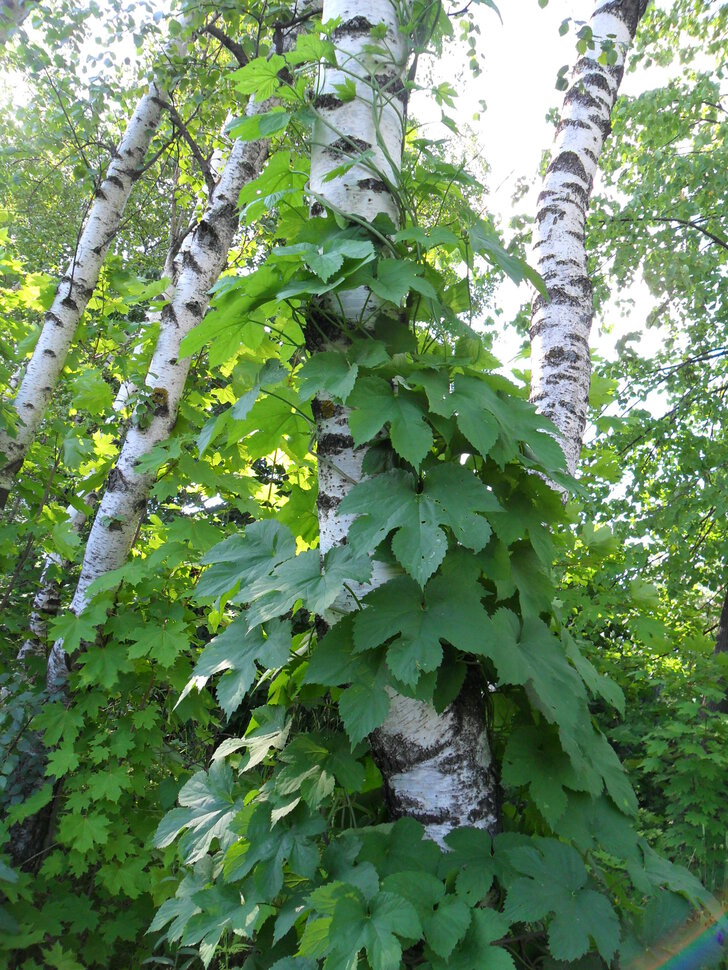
x=561, y=322
x=122, y=507
x=79, y=282
x=431, y=587
x=444, y=771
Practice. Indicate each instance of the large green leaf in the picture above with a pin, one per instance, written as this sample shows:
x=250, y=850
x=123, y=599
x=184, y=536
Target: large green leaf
x=555, y=883
x=416, y=622
x=417, y=511
x=235, y=653
x=241, y=559
x=208, y=806
x=303, y=577
x=375, y=403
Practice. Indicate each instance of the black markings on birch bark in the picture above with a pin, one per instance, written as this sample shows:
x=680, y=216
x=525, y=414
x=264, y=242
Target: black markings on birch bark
x=560, y=326
x=458, y=750
x=74, y=290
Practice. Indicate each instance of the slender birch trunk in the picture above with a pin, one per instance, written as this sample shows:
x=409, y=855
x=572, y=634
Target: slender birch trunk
x=202, y=257
x=28, y=838
x=560, y=326
x=437, y=768
x=79, y=282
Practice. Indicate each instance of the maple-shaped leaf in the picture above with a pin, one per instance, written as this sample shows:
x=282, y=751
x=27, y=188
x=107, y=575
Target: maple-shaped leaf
x=531, y=655
x=494, y=425
x=377, y=925
x=375, y=403
x=110, y=782
x=396, y=277
x=56, y=958
x=395, y=501
x=303, y=577
x=82, y=832
x=261, y=75
x=161, y=643
x=242, y=559
x=311, y=760
x=476, y=951
x=555, y=881
x=75, y=630
x=330, y=372
x=103, y=665
x=448, y=609
x=208, y=806
x=269, y=843
x=471, y=858
x=58, y=721
x=363, y=708
x=534, y=757
x=129, y=880
x=235, y=653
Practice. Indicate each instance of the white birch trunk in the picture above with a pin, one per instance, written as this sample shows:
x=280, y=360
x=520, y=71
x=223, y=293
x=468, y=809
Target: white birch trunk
x=79, y=282
x=76, y=287
x=201, y=260
x=560, y=362
x=437, y=768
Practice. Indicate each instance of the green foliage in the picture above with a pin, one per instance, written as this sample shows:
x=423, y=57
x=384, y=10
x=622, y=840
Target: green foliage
x=278, y=850
x=451, y=502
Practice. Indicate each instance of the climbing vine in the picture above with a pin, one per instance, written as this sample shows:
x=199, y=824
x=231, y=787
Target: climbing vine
x=285, y=839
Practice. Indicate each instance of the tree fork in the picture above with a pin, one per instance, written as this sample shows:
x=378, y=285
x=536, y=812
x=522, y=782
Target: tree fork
x=197, y=267
x=77, y=285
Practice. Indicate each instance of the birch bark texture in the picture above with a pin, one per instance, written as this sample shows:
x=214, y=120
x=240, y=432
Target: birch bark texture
x=560, y=326
x=77, y=286
x=437, y=768
x=202, y=259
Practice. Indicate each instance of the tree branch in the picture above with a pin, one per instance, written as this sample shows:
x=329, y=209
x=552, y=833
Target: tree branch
x=232, y=45
x=194, y=147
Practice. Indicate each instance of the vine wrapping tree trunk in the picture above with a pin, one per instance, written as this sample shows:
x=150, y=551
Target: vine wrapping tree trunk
x=560, y=325
x=437, y=768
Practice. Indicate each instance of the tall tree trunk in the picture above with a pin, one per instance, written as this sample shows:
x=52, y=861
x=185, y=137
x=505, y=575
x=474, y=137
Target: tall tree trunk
x=437, y=768
x=560, y=326
x=78, y=284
